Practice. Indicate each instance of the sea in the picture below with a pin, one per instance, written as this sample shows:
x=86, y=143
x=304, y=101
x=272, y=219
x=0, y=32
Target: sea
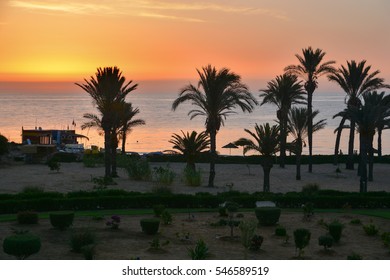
x=31, y=110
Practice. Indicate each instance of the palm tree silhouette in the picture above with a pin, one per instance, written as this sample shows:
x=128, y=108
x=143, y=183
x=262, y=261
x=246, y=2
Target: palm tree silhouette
x=266, y=143
x=107, y=89
x=298, y=123
x=216, y=96
x=283, y=91
x=355, y=79
x=310, y=69
x=190, y=145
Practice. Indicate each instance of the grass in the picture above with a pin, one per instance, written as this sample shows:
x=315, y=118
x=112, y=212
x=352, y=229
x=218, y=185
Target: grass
x=380, y=213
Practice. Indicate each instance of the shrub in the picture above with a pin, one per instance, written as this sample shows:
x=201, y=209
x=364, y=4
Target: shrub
x=54, y=165
x=200, y=252
x=162, y=190
x=150, y=226
x=138, y=169
x=21, y=245
x=354, y=256
x=326, y=241
x=248, y=229
x=156, y=244
x=114, y=222
x=370, y=229
x=164, y=176
x=356, y=222
x=222, y=212
x=81, y=238
x=268, y=216
x=91, y=161
x=335, y=229
x=301, y=239
x=308, y=210
x=166, y=218
x=386, y=238
x=158, y=209
x=256, y=242
x=61, y=220
x=280, y=231
x=88, y=251
x=192, y=177
x=27, y=217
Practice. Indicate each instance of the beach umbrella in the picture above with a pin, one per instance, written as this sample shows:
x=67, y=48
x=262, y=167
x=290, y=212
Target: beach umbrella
x=230, y=146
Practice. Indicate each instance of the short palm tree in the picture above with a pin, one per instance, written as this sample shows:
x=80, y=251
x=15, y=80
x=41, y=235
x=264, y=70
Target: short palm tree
x=266, y=143
x=216, y=96
x=284, y=91
x=310, y=69
x=366, y=116
x=190, y=145
x=298, y=127
x=107, y=88
x=355, y=79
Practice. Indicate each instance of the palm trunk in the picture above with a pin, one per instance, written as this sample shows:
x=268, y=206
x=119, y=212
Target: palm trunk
x=114, y=146
x=350, y=160
x=363, y=163
x=283, y=141
x=310, y=128
x=123, y=143
x=379, y=142
x=298, y=163
x=370, y=160
x=337, y=144
x=107, y=153
x=267, y=163
x=213, y=154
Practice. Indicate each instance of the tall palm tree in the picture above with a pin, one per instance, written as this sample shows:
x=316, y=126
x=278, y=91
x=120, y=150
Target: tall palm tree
x=310, y=69
x=283, y=91
x=298, y=123
x=266, y=143
x=384, y=100
x=107, y=88
x=366, y=116
x=190, y=145
x=216, y=96
x=355, y=79
x=127, y=122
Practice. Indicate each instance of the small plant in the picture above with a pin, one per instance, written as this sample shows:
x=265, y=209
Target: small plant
x=166, y=218
x=193, y=177
x=81, y=238
x=97, y=217
x=138, y=169
x=158, y=209
x=183, y=236
x=301, y=239
x=200, y=251
x=150, y=226
x=256, y=242
x=335, y=229
x=22, y=245
x=386, y=238
x=370, y=229
x=61, y=220
x=231, y=208
x=308, y=210
x=267, y=216
x=155, y=244
x=326, y=241
x=164, y=176
x=248, y=229
x=54, y=165
x=90, y=161
x=27, y=217
x=280, y=231
x=88, y=251
x=114, y=222
x=354, y=256
x=355, y=222
x=222, y=212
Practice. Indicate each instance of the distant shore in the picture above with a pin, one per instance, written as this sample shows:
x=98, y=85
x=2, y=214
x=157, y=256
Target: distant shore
x=239, y=177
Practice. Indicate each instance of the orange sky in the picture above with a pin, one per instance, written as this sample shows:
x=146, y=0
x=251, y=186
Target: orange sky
x=51, y=40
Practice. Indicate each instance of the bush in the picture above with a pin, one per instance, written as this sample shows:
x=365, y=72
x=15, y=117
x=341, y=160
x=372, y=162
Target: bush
x=54, y=165
x=158, y=209
x=164, y=176
x=138, y=169
x=81, y=238
x=268, y=216
x=21, y=245
x=335, y=229
x=356, y=222
x=301, y=239
x=222, y=212
x=88, y=251
x=61, y=220
x=326, y=241
x=91, y=161
x=27, y=217
x=280, y=231
x=200, y=252
x=248, y=229
x=386, y=238
x=150, y=226
x=370, y=229
x=166, y=218
x=162, y=190
x=256, y=242
x=192, y=177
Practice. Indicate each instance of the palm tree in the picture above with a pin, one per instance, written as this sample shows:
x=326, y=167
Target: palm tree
x=366, y=116
x=190, y=145
x=216, y=96
x=107, y=88
x=298, y=127
x=310, y=69
x=355, y=79
x=127, y=123
x=283, y=91
x=266, y=143
x=384, y=100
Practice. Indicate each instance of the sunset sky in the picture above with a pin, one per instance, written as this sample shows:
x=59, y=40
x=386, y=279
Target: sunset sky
x=52, y=40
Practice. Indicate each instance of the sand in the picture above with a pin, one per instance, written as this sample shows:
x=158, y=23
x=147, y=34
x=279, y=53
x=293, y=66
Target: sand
x=74, y=176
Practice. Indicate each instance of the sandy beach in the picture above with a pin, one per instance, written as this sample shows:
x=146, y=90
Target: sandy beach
x=74, y=177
